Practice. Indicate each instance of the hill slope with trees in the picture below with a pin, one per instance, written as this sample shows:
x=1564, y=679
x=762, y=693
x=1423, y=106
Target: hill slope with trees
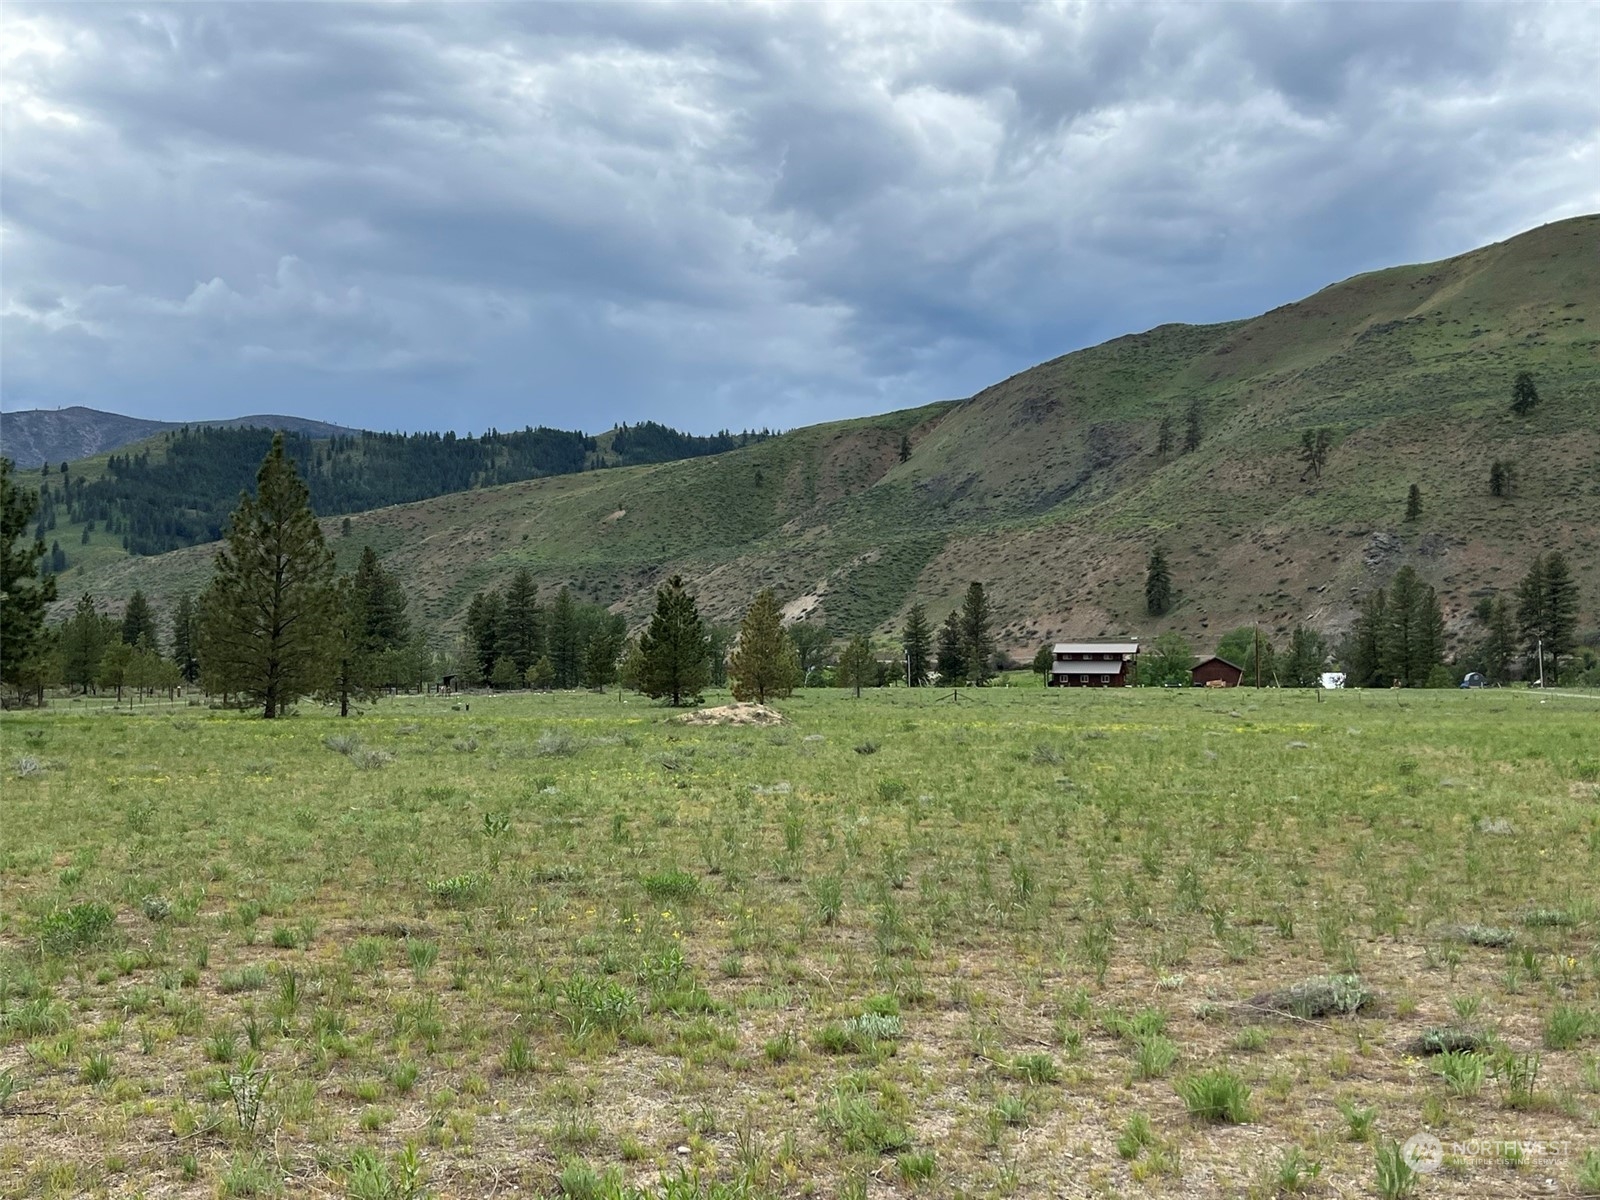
x=1287, y=466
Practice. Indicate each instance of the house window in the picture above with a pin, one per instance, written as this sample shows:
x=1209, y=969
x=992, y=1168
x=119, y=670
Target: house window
x=1105, y=679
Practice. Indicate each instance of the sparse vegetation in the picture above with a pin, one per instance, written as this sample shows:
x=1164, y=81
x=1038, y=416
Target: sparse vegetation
x=815, y=957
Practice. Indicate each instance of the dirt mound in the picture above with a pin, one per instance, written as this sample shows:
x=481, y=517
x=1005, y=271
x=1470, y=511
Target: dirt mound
x=733, y=714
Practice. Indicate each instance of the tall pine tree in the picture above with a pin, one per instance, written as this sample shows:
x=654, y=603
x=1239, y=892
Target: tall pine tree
x=674, y=650
x=1524, y=395
x=139, y=621
x=24, y=593
x=1158, y=584
x=563, y=645
x=83, y=642
x=273, y=592
x=1499, y=649
x=1547, y=610
x=764, y=664
x=183, y=639
x=977, y=645
x=385, y=628
x=521, y=627
x=950, y=659
x=916, y=639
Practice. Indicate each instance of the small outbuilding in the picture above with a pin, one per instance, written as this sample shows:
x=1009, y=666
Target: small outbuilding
x=1216, y=672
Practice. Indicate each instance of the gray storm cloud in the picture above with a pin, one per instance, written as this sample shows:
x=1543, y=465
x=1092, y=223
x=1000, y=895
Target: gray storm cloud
x=474, y=215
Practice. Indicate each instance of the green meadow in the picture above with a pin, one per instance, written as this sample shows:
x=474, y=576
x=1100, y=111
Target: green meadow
x=1142, y=943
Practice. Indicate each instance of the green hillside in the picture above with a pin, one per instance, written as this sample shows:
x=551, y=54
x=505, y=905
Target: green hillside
x=1049, y=486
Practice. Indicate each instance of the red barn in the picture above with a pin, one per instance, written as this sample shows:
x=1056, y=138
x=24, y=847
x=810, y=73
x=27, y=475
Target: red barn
x=1092, y=664
x=1216, y=672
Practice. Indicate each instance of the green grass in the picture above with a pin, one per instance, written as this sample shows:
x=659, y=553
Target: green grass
x=933, y=966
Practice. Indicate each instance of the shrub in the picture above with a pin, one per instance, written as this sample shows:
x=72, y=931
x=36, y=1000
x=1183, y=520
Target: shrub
x=555, y=743
x=1323, y=996
x=458, y=889
x=860, y=1122
x=1463, y=1071
x=371, y=760
x=156, y=908
x=1217, y=1095
x=1587, y=1178
x=671, y=884
x=1153, y=1056
x=342, y=743
x=1567, y=1026
x=1358, y=1121
x=73, y=928
x=1035, y=1068
x=1397, y=1178
x=916, y=1166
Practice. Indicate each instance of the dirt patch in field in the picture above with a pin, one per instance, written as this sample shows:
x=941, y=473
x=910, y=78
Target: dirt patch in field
x=733, y=714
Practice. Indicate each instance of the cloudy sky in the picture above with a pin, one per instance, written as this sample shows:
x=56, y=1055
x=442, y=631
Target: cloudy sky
x=462, y=215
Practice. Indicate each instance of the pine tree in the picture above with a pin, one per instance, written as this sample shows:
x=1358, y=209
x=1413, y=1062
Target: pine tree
x=1497, y=479
x=1413, y=632
x=977, y=646
x=485, y=611
x=1547, y=608
x=83, y=643
x=1192, y=430
x=1499, y=643
x=504, y=673
x=1363, y=661
x=562, y=644
x=951, y=656
x=382, y=602
x=1314, y=447
x=1164, y=437
x=138, y=620
x=905, y=447
x=542, y=675
x=1561, y=608
x=521, y=625
x=600, y=656
x=1307, y=653
x=765, y=662
x=1524, y=395
x=916, y=639
x=273, y=592
x=857, y=666
x=1158, y=583
x=352, y=657
x=116, y=665
x=24, y=592
x=675, y=650
x=1413, y=503
x=183, y=639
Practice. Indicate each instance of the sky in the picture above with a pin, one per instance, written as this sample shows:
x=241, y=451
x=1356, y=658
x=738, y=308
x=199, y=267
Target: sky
x=463, y=216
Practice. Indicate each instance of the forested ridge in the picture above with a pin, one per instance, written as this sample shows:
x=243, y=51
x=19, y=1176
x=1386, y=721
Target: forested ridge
x=179, y=490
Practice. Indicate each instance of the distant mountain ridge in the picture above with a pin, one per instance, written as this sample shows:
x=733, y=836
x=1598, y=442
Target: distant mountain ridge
x=31, y=437
x=1052, y=487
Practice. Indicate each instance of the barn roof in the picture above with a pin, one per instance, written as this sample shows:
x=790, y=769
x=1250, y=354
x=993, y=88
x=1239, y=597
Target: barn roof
x=1088, y=666
x=1216, y=658
x=1095, y=648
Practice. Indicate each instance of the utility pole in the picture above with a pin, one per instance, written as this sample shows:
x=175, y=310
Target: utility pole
x=1541, y=664
x=1258, y=655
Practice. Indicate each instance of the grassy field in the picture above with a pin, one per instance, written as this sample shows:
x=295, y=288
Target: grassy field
x=1022, y=944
